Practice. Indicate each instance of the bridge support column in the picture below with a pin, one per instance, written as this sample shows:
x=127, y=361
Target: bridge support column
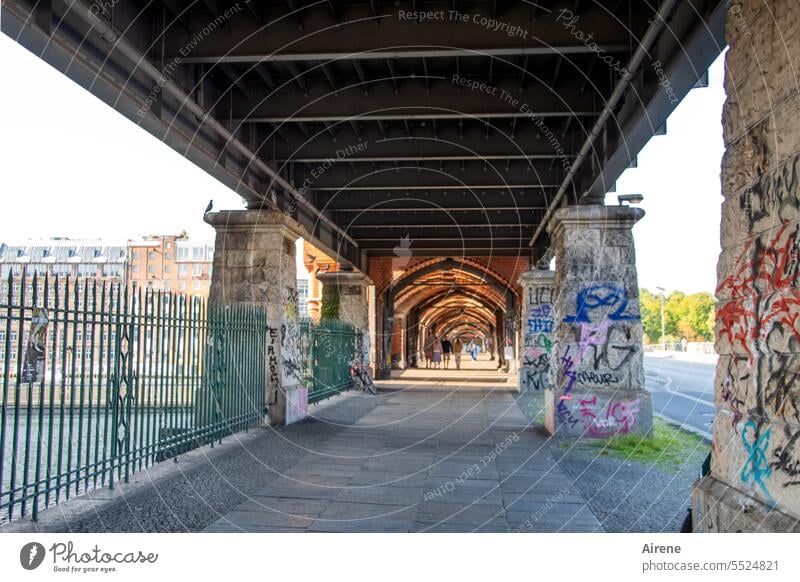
x=596, y=373
x=254, y=262
x=753, y=484
x=536, y=324
x=353, y=291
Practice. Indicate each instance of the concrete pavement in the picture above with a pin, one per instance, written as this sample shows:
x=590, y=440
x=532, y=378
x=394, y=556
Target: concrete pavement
x=422, y=461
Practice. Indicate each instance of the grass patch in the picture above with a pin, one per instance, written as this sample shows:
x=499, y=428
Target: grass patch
x=668, y=446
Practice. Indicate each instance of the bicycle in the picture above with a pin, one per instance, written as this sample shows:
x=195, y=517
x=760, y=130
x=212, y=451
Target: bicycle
x=361, y=377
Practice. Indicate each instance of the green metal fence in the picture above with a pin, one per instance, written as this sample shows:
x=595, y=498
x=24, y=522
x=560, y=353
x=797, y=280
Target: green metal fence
x=99, y=381
x=330, y=348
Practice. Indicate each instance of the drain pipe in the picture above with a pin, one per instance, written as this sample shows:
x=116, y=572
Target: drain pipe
x=660, y=20
x=89, y=16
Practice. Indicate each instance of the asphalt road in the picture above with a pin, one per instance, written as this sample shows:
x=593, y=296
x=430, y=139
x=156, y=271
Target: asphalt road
x=683, y=390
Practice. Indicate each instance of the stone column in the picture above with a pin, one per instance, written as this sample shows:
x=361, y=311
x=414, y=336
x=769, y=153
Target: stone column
x=754, y=481
x=536, y=325
x=596, y=373
x=353, y=289
x=254, y=262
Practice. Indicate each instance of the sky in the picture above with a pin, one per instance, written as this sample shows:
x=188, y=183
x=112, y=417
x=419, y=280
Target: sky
x=67, y=161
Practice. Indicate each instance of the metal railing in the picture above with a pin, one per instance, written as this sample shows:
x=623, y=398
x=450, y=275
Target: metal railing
x=330, y=347
x=99, y=381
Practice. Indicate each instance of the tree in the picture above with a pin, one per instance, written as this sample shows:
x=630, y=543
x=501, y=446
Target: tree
x=650, y=309
x=689, y=316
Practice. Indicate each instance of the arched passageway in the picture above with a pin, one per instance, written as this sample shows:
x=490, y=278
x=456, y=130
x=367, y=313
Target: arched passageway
x=448, y=298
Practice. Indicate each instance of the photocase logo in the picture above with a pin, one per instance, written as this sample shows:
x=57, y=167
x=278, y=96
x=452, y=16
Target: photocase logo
x=31, y=555
x=402, y=253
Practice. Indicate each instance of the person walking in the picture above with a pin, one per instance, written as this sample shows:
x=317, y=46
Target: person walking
x=473, y=350
x=428, y=349
x=447, y=349
x=437, y=353
x=458, y=347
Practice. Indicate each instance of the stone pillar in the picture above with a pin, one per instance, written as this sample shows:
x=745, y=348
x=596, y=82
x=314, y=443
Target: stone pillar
x=536, y=325
x=755, y=464
x=353, y=289
x=254, y=262
x=596, y=372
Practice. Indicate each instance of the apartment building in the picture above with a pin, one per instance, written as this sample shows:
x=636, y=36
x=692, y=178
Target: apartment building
x=171, y=263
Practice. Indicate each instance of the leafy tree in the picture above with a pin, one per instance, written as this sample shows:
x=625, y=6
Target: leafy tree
x=650, y=309
x=689, y=316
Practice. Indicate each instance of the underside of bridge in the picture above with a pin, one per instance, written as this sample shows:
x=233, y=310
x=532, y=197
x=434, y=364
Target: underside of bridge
x=456, y=125
x=444, y=152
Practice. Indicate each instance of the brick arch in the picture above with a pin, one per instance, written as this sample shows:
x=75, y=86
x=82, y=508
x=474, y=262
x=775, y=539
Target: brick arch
x=499, y=300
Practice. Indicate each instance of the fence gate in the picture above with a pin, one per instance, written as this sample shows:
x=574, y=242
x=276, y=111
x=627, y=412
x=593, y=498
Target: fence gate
x=331, y=348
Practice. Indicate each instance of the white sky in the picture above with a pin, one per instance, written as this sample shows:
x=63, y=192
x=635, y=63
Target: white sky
x=69, y=163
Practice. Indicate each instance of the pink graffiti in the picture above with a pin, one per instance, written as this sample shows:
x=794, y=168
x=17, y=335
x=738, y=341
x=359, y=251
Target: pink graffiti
x=593, y=335
x=619, y=417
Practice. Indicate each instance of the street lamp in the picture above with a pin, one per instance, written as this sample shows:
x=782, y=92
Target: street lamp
x=663, y=334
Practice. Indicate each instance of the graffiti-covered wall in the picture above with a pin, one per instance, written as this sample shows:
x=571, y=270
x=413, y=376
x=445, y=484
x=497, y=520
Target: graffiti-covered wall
x=596, y=368
x=538, y=294
x=755, y=472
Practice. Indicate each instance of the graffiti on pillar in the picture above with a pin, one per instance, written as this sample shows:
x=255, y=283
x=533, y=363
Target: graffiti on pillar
x=291, y=348
x=540, y=321
x=730, y=381
x=541, y=295
x=272, y=362
x=563, y=412
x=616, y=417
x=786, y=460
x=602, y=298
x=781, y=385
x=774, y=194
x=535, y=372
x=763, y=302
x=604, y=334
x=756, y=468
x=538, y=341
x=604, y=350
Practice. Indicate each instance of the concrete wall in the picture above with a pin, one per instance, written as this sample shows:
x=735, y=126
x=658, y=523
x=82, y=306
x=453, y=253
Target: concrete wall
x=755, y=473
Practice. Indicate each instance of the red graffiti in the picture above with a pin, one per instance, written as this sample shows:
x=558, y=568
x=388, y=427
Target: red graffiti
x=762, y=291
x=619, y=417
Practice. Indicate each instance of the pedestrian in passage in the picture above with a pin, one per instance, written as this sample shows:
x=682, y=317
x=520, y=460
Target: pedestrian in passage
x=458, y=347
x=447, y=348
x=437, y=353
x=428, y=349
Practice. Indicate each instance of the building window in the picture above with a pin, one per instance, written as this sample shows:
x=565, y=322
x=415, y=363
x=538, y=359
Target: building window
x=151, y=269
x=183, y=253
x=168, y=245
x=87, y=270
x=167, y=255
x=197, y=253
x=196, y=285
x=182, y=271
x=166, y=268
x=151, y=255
x=182, y=285
x=197, y=269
